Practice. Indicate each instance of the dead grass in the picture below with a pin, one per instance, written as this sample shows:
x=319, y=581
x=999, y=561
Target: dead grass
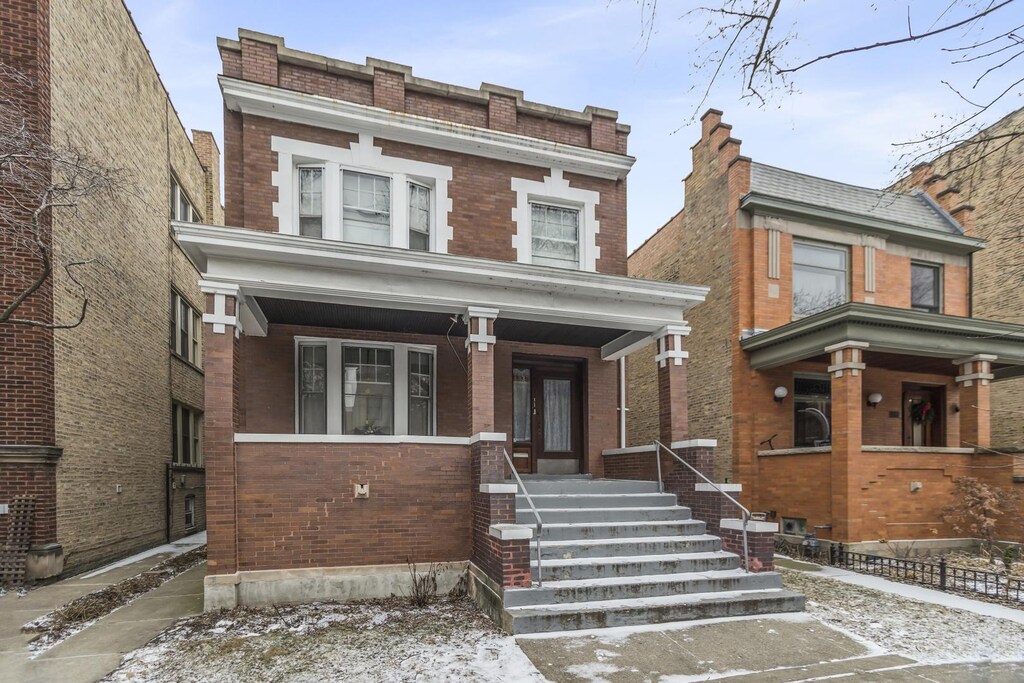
x=63, y=621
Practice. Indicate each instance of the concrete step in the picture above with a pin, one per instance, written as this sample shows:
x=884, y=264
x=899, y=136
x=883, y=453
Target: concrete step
x=584, y=486
x=655, y=610
x=615, y=514
x=596, y=500
x=571, y=531
x=623, y=588
x=647, y=565
x=626, y=547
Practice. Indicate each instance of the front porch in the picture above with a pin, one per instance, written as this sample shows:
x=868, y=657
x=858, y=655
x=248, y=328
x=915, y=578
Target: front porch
x=361, y=401
x=866, y=416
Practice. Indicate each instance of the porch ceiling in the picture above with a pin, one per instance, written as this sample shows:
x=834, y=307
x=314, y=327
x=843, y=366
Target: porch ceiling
x=936, y=339
x=320, y=314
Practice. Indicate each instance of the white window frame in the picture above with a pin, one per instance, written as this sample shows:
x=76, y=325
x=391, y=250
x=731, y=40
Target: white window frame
x=335, y=383
x=554, y=190
x=195, y=330
x=361, y=157
x=579, y=225
x=180, y=413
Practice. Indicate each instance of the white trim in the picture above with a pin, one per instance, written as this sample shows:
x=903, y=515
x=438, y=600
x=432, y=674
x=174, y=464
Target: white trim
x=753, y=527
x=488, y=436
x=284, y=266
x=511, y=532
x=975, y=358
x=703, y=487
x=481, y=338
x=846, y=345
x=364, y=157
x=915, y=449
x=555, y=190
x=629, y=449
x=350, y=438
x=499, y=488
x=287, y=105
x=695, y=443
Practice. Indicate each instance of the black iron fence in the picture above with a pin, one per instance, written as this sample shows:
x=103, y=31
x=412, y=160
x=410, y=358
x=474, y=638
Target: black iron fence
x=933, y=574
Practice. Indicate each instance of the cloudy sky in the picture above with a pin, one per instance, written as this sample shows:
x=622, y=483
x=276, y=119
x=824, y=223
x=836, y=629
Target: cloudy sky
x=841, y=122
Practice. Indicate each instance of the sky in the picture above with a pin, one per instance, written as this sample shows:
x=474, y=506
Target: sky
x=840, y=123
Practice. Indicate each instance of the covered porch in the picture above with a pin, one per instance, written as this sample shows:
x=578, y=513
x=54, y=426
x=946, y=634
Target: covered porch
x=361, y=400
x=869, y=414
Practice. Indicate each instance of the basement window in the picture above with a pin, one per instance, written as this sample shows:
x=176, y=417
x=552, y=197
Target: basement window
x=190, y=512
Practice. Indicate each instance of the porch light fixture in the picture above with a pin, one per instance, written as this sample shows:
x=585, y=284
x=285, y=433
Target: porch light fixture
x=780, y=394
x=874, y=399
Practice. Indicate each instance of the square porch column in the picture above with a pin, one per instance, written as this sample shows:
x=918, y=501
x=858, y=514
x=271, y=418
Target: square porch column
x=221, y=421
x=480, y=368
x=671, y=359
x=847, y=398
x=974, y=378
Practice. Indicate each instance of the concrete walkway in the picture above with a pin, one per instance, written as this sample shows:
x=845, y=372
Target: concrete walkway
x=91, y=654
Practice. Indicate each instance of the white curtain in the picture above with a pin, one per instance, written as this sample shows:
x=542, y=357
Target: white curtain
x=557, y=415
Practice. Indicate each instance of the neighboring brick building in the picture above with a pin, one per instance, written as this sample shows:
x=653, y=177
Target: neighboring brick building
x=833, y=360
x=85, y=413
x=988, y=170
x=419, y=276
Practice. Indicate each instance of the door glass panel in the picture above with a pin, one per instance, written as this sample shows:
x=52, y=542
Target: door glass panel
x=521, y=401
x=557, y=415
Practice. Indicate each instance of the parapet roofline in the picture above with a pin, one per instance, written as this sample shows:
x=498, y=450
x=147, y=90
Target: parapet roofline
x=479, y=95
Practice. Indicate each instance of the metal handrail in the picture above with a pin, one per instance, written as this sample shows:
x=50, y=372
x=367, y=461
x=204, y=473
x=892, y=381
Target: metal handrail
x=746, y=512
x=533, y=508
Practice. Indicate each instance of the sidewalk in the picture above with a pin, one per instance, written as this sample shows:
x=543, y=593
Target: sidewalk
x=91, y=654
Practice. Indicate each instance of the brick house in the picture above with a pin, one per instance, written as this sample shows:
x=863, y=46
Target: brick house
x=87, y=415
x=986, y=170
x=835, y=360
x=423, y=284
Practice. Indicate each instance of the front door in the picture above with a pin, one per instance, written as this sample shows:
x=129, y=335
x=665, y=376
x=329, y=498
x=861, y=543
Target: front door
x=547, y=419
x=922, y=415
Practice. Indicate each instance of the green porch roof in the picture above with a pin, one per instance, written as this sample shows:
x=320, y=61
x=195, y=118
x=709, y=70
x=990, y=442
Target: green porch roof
x=890, y=330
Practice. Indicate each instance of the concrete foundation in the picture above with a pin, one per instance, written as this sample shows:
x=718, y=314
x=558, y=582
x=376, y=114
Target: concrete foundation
x=282, y=586
x=44, y=561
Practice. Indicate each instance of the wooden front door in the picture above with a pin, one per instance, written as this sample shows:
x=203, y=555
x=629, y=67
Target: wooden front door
x=547, y=416
x=923, y=411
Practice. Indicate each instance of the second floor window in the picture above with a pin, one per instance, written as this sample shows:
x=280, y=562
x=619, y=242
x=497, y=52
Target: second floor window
x=419, y=217
x=820, y=277
x=555, y=235
x=181, y=209
x=366, y=208
x=186, y=330
x=926, y=287
x=311, y=202
x=186, y=435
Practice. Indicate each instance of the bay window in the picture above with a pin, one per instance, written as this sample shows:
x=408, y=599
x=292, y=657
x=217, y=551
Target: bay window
x=820, y=277
x=364, y=389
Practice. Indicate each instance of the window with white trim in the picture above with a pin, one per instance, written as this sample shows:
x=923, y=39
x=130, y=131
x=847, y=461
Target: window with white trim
x=311, y=201
x=181, y=208
x=186, y=435
x=555, y=231
x=365, y=389
x=186, y=330
x=419, y=217
x=365, y=208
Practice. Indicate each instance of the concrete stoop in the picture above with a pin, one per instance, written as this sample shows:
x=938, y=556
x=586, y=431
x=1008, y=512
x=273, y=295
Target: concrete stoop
x=620, y=553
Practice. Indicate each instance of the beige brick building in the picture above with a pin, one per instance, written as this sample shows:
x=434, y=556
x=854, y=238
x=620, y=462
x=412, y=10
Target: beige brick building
x=115, y=463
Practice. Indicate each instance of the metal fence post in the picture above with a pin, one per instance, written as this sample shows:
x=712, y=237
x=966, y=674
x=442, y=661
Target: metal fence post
x=942, y=573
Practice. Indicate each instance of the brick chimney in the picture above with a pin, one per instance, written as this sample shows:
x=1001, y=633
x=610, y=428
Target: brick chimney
x=209, y=156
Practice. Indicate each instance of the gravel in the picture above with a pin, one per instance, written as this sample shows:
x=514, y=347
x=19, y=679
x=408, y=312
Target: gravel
x=382, y=641
x=926, y=632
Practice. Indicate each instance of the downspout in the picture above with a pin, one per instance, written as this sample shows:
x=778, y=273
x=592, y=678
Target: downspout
x=622, y=402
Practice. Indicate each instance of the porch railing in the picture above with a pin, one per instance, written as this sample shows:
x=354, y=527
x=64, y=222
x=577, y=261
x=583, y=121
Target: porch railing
x=658, y=447
x=536, y=515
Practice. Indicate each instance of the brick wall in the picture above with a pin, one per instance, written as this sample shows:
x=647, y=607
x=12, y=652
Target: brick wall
x=187, y=482
x=296, y=506
x=633, y=466
x=35, y=479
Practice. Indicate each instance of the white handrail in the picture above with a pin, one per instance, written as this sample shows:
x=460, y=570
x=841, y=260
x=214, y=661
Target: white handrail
x=746, y=512
x=533, y=508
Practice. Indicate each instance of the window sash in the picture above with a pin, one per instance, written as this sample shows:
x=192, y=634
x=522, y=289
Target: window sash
x=366, y=208
x=925, y=295
x=555, y=234
x=190, y=511
x=312, y=389
x=421, y=393
x=419, y=217
x=186, y=435
x=186, y=330
x=820, y=277
x=311, y=201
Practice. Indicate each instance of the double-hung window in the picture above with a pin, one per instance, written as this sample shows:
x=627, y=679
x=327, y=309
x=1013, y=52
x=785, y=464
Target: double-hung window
x=181, y=209
x=366, y=208
x=311, y=201
x=419, y=217
x=190, y=512
x=186, y=435
x=926, y=287
x=555, y=231
x=365, y=389
x=820, y=277
x=186, y=330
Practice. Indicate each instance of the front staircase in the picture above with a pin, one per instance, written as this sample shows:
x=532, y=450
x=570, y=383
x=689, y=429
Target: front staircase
x=619, y=553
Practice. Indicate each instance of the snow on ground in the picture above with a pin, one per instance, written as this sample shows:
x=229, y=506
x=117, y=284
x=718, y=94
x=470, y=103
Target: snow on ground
x=382, y=641
x=927, y=632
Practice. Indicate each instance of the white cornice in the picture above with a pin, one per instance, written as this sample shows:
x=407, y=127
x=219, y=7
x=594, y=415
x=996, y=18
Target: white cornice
x=287, y=105
x=287, y=266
